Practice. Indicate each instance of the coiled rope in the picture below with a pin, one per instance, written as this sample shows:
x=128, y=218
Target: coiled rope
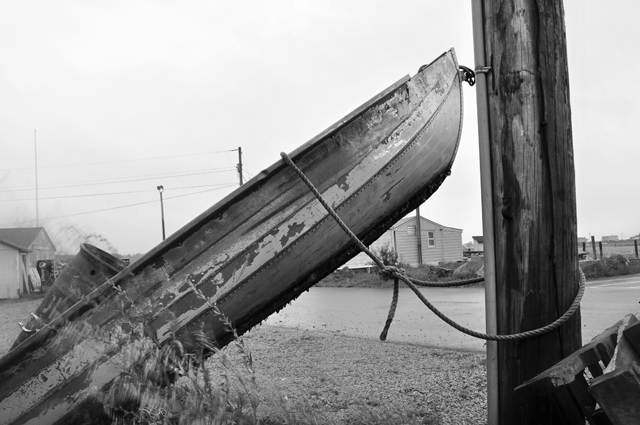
x=399, y=274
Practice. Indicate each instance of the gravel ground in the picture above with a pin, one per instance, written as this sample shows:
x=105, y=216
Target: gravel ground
x=345, y=379
x=340, y=375
x=12, y=312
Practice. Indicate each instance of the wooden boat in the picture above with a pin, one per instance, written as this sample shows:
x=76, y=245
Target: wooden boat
x=257, y=249
x=89, y=268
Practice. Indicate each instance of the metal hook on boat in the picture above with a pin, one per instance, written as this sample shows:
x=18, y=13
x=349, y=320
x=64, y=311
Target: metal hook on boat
x=26, y=330
x=467, y=74
x=36, y=317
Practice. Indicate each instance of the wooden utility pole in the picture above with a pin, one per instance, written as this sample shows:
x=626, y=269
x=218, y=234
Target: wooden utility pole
x=419, y=234
x=533, y=194
x=35, y=145
x=240, y=165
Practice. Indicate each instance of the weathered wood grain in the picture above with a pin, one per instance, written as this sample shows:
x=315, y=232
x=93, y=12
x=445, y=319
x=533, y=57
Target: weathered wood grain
x=534, y=196
x=618, y=393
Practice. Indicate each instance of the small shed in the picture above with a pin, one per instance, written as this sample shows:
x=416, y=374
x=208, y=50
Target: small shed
x=478, y=243
x=20, y=250
x=438, y=243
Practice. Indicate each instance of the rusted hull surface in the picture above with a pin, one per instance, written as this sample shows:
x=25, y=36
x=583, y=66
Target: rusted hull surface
x=263, y=245
x=88, y=269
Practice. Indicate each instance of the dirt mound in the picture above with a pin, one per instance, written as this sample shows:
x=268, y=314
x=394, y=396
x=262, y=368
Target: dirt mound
x=470, y=268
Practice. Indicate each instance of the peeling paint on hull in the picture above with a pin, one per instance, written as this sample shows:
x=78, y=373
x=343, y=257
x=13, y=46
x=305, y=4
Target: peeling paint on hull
x=260, y=247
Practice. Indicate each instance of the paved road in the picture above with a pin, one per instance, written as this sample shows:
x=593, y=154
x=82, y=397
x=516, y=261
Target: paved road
x=608, y=300
x=363, y=311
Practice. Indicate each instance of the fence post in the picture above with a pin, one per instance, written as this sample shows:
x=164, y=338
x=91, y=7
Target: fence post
x=584, y=246
x=593, y=245
x=600, y=246
x=635, y=245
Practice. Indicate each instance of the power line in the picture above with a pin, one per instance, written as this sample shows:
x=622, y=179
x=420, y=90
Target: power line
x=128, y=205
x=111, y=181
x=119, y=179
x=116, y=161
x=247, y=172
x=114, y=193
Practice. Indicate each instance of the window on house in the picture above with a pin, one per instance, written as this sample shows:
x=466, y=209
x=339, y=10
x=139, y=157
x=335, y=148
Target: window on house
x=431, y=238
x=411, y=230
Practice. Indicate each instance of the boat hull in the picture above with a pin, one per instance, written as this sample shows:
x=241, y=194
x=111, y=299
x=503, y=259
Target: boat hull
x=258, y=248
x=88, y=269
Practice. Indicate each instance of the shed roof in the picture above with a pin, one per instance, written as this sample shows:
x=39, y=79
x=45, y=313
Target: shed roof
x=479, y=239
x=409, y=218
x=21, y=237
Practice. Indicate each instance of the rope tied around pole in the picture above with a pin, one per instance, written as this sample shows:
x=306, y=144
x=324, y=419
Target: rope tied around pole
x=391, y=272
x=400, y=274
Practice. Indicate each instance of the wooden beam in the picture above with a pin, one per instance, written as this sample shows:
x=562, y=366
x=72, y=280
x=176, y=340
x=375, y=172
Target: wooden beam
x=419, y=234
x=24, y=275
x=486, y=200
x=534, y=199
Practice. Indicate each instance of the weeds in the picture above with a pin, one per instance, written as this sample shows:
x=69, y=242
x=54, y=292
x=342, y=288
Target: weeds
x=166, y=384
x=614, y=265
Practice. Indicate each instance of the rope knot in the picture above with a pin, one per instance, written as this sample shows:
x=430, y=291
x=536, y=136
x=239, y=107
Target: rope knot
x=392, y=272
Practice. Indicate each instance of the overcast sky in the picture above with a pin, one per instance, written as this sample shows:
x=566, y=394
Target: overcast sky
x=128, y=95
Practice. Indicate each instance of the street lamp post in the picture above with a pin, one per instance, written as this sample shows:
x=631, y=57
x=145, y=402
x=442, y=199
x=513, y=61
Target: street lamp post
x=161, y=189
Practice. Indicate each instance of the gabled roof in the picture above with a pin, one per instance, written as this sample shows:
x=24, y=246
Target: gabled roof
x=22, y=237
x=12, y=245
x=409, y=218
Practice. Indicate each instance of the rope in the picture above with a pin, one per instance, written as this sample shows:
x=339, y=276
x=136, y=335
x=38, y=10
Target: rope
x=392, y=310
x=522, y=335
x=389, y=271
x=399, y=274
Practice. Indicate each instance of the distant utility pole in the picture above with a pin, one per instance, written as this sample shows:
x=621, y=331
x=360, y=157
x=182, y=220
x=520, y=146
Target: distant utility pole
x=419, y=233
x=240, y=164
x=35, y=143
x=161, y=189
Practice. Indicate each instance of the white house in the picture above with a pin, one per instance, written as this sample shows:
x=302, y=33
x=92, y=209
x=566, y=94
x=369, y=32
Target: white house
x=20, y=249
x=478, y=243
x=438, y=243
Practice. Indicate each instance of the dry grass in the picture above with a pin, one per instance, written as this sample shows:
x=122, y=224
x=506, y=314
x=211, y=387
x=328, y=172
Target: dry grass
x=12, y=312
x=346, y=278
x=615, y=265
x=289, y=376
x=357, y=381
